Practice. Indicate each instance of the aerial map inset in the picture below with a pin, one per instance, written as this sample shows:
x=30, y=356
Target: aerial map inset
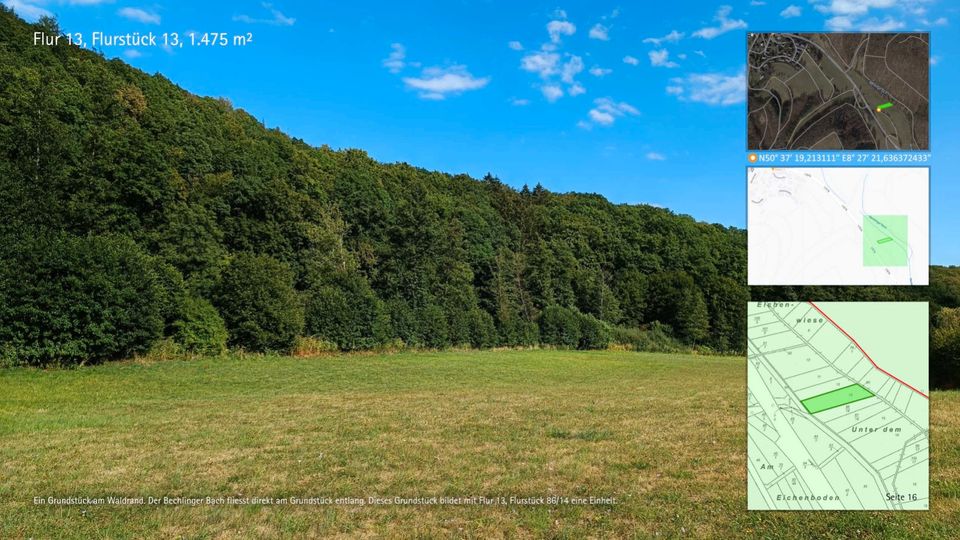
x=837, y=406
x=838, y=91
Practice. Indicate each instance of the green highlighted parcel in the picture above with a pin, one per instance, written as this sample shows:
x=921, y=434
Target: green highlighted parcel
x=836, y=398
x=885, y=241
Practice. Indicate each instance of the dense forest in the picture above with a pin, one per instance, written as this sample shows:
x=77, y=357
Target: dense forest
x=137, y=213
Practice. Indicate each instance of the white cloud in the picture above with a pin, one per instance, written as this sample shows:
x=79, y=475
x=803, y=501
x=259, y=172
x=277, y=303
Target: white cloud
x=559, y=14
x=661, y=58
x=631, y=60
x=757, y=3
x=600, y=32
x=840, y=22
x=139, y=15
x=438, y=83
x=28, y=11
x=557, y=29
x=515, y=45
x=934, y=60
x=656, y=156
x=570, y=69
x=558, y=70
x=874, y=24
x=791, y=11
x=32, y=10
x=519, y=102
x=601, y=117
x=606, y=111
x=541, y=63
x=869, y=16
x=853, y=7
x=940, y=21
x=132, y=53
x=552, y=92
x=726, y=24
x=710, y=88
x=396, y=61
x=276, y=17
x=598, y=71
x=673, y=37
x=700, y=53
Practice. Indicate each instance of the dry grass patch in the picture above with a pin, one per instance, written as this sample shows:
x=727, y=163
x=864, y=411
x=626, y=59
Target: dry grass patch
x=663, y=434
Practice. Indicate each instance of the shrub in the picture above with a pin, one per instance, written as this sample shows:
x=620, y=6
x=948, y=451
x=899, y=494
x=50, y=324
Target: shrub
x=945, y=348
x=348, y=314
x=172, y=293
x=529, y=333
x=483, y=333
x=312, y=346
x=560, y=326
x=200, y=329
x=256, y=299
x=70, y=300
x=459, y=326
x=657, y=338
x=594, y=333
x=433, y=327
x=403, y=321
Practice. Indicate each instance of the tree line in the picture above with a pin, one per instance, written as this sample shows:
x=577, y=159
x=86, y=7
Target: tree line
x=136, y=212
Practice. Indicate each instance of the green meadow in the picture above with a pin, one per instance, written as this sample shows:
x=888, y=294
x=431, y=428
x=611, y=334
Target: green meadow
x=657, y=440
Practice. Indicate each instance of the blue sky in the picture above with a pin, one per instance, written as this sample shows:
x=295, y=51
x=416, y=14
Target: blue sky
x=640, y=102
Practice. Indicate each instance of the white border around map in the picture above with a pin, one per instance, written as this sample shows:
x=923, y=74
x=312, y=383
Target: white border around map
x=805, y=225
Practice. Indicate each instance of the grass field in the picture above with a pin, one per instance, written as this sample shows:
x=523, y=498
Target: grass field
x=663, y=434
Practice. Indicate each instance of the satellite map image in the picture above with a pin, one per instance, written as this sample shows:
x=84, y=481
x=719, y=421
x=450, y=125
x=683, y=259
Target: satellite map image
x=838, y=91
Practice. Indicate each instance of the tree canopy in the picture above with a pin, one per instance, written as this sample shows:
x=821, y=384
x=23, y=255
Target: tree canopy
x=248, y=229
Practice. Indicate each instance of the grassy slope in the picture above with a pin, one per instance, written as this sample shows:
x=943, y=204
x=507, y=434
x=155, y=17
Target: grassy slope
x=662, y=433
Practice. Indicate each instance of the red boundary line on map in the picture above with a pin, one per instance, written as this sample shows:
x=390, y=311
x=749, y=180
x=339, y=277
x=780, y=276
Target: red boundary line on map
x=887, y=373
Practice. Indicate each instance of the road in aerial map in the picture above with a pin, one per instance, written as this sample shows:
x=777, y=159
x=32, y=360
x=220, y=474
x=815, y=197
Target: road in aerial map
x=838, y=226
x=837, y=406
x=838, y=91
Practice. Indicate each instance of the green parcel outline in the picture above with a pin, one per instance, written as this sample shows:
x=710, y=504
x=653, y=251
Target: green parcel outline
x=836, y=398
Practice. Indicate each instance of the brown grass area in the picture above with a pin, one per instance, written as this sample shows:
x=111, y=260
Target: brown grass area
x=663, y=434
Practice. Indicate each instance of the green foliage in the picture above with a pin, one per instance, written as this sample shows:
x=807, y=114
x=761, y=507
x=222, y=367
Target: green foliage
x=945, y=347
x=433, y=327
x=657, y=338
x=594, y=333
x=199, y=328
x=261, y=309
x=74, y=300
x=346, y=313
x=483, y=332
x=692, y=320
x=172, y=293
x=376, y=252
x=403, y=321
x=560, y=326
x=675, y=300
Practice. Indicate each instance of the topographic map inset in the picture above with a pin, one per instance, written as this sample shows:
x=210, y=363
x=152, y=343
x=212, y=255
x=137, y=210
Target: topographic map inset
x=837, y=406
x=838, y=225
x=838, y=91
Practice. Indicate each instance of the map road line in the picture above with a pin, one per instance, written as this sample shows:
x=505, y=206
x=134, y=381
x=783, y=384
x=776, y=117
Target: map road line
x=892, y=376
